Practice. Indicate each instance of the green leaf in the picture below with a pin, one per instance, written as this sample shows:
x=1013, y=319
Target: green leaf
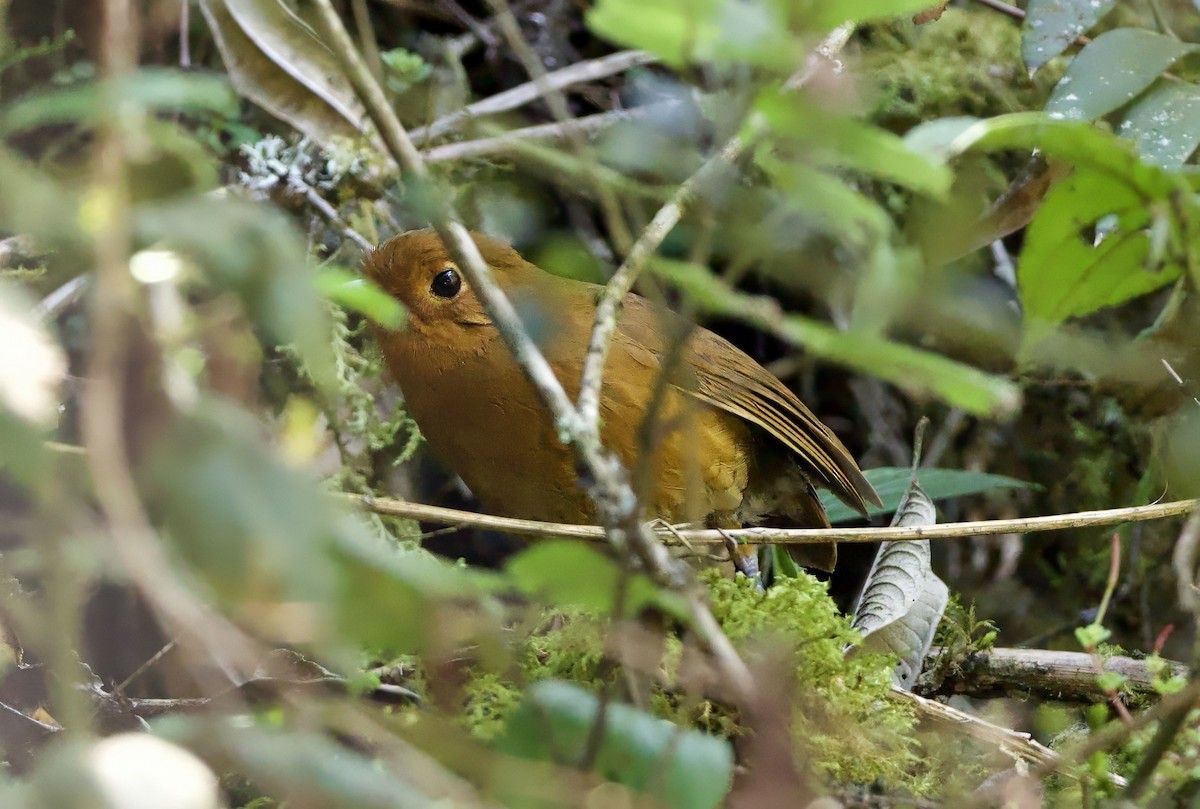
x=678, y=31
x=685, y=769
x=833, y=140
x=686, y=31
x=830, y=15
x=919, y=372
x=1091, y=636
x=156, y=89
x=564, y=572
x=251, y=527
x=351, y=291
x=1114, y=68
x=891, y=482
x=1165, y=123
x=1063, y=273
x=1111, y=681
x=260, y=257
x=1052, y=26
x=392, y=600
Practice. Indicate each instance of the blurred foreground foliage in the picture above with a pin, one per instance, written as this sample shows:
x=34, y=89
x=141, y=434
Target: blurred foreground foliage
x=209, y=280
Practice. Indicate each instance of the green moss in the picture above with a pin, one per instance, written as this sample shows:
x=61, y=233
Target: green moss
x=966, y=63
x=848, y=727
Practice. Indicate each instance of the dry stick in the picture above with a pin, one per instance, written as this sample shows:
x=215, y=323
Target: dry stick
x=608, y=308
x=102, y=419
x=506, y=142
x=609, y=490
x=1044, y=673
x=547, y=83
x=782, y=536
x=610, y=206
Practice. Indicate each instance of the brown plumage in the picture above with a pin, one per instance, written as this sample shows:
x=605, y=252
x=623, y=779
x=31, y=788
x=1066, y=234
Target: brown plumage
x=734, y=445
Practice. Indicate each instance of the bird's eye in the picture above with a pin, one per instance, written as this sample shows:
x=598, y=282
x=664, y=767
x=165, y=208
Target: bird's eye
x=447, y=283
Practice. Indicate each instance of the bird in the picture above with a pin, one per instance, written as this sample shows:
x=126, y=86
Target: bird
x=730, y=446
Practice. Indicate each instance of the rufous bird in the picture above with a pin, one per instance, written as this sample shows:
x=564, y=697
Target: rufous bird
x=734, y=446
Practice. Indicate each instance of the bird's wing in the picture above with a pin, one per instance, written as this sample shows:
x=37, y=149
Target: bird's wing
x=723, y=376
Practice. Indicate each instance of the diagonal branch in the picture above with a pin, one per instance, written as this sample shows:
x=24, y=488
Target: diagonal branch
x=667, y=217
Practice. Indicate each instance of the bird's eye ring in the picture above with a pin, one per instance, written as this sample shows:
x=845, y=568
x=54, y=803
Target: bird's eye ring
x=447, y=283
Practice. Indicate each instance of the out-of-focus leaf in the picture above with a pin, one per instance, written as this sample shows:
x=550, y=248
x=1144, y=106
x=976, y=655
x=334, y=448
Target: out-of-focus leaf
x=903, y=600
x=684, y=769
x=393, y=600
x=32, y=203
x=1051, y=26
x=564, y=572
x=911, y=369
x=1111, y=70
x=251, y=527
x=275, y=58
x=766, y=33
x=1165, y=123
x=1064, y=273
x=156, y=89
x=259, y=256
x=305, y=768
x=352, y=291
x=1078, y=143
x=891, y=483
x=839, y=141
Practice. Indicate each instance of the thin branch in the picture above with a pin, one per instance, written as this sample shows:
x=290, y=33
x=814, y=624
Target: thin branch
x=578, y=73
x=501, y=144
x=609, y=204
x=1043, y=673
x=784, y=536
x=664, y=221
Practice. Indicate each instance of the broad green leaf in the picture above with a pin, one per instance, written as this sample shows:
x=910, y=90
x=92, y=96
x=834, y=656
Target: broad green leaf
x=675, y=30
x=891, y=482
x=1111, y=71
x=564, y=572
x=1075, y=142
x=682, y=768
x=352, y=291
x=827, y=15
x=393, y=600
x=1165, y=123
x=834, y=140
x=685, y=31
x=1063, y=273
x=155, y=89
x=304, y=767
x=251, y=527
x=919, y=372
x=1052, y=26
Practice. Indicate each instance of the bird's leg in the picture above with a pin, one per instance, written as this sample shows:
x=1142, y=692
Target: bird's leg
x=744, y=557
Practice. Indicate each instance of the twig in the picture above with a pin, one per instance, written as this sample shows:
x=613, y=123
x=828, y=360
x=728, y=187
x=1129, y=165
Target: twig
x=1043, y=673
x=328, y=211
x=522, y=94
x=553, y=131
x=1003, y=8
x=1013, y=742
x=609, y=204
x=664, y=221
x=784, y=536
